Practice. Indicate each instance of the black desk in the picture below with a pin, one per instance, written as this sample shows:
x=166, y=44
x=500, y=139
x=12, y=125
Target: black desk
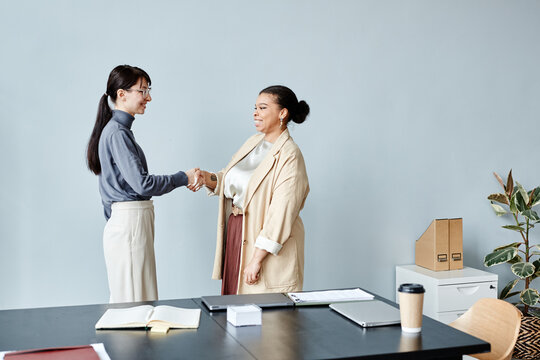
x=74, y=325
x=286, y=333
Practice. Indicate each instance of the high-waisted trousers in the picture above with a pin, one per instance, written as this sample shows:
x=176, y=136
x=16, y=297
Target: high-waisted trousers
x=128, y=243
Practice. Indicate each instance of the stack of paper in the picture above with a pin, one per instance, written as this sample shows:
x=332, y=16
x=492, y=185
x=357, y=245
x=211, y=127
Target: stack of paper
x=328, y=296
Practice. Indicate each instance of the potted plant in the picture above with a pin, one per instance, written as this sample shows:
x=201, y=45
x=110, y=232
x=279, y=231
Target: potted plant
x=523, y=257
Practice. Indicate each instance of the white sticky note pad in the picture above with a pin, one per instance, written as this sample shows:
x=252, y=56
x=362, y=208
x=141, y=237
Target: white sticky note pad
x=244, y=315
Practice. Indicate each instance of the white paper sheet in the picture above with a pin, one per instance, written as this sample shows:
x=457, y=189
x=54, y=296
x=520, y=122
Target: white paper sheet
x=330, y=296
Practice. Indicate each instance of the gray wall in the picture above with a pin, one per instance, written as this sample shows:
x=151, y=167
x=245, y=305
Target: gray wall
x=414, y=104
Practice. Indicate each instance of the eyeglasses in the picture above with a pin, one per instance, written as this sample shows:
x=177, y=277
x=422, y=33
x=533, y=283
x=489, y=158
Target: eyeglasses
x=144, y=92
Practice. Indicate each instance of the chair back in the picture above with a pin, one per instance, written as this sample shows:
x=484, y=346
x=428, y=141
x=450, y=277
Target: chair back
x=494, y=321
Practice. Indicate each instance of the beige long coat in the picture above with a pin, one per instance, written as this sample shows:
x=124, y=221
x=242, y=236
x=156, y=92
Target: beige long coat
x=275, y=195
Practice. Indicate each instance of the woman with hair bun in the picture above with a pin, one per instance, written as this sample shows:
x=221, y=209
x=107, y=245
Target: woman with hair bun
x=126, y=187
x=260, y=236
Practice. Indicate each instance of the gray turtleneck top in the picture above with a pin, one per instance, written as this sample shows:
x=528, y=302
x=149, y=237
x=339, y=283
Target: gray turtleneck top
x=124, y=172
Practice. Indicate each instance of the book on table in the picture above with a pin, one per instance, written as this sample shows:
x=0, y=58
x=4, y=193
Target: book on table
x=326, y=297
x=85, y=352
x=158, y=318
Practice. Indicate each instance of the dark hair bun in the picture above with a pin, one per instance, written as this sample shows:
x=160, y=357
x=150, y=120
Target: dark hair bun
x=301, y=112
x=286, y=98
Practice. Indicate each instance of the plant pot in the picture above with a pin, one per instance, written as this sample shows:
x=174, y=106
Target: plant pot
x=528, y=342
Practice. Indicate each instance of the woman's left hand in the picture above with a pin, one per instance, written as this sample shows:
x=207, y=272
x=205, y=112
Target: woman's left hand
x=251, y=272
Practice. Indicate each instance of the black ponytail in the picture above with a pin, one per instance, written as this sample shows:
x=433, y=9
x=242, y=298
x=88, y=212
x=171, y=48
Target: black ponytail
x=121, y=77
x=103, y=117
x=286, y=98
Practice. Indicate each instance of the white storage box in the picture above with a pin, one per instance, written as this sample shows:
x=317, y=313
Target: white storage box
x=244, y=315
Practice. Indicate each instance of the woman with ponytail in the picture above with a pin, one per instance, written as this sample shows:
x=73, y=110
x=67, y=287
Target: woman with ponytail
x=126, y=187
x=260, y=237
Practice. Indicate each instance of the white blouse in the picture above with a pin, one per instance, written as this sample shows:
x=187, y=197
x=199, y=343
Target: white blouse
x=237, y=178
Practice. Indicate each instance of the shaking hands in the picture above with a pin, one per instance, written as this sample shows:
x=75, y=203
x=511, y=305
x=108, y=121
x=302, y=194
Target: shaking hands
x=197, y=178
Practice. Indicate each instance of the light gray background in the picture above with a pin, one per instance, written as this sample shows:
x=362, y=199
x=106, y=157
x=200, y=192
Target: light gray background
x=414, y=104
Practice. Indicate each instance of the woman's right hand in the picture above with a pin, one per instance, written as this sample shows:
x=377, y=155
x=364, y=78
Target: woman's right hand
x=209, y=179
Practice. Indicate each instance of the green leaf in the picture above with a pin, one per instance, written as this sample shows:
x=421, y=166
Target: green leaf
x=514, y=293
x=534, y=312
x=505, y=293
x=531, y=215
x=514, y=227
x=520, y=202
x=499, y=211
x=500, y=256
x=537, y=268
x=523, y=269
x=500, y=198
x=535, y=195
x=529, y=297
x=516, y=244
x=516, y=259
x=523, y=193
x=513, y=207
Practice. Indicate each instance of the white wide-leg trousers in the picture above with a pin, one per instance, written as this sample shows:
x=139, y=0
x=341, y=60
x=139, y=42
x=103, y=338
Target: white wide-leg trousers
x=128, y=243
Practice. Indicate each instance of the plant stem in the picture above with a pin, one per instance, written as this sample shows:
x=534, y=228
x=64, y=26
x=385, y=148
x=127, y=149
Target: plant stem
x=527, y=258
x=526, y=252
x=521, y=232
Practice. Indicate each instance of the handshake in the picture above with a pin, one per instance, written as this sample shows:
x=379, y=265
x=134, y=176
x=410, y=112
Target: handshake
x=197, y=178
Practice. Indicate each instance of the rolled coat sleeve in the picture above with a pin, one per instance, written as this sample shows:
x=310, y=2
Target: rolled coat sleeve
x=130, y=165
x=219, y=178
x=288, y=199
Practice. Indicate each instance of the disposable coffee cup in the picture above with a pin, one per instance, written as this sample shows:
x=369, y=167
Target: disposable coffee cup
x=411, y=301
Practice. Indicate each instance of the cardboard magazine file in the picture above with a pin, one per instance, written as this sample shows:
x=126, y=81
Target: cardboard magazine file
x=432, y=248
x=455, y=229
x=441, y=245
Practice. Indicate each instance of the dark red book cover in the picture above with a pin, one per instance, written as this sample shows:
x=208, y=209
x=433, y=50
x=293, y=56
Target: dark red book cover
x=86, y=352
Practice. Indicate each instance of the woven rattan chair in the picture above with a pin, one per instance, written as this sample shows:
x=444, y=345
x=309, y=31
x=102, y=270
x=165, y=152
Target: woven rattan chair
x=494, y=321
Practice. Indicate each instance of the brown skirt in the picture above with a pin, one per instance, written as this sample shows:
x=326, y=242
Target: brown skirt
x=231, y=266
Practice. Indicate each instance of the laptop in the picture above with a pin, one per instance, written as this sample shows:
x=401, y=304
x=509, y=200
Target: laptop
x=368, y=313
x=261, y=300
